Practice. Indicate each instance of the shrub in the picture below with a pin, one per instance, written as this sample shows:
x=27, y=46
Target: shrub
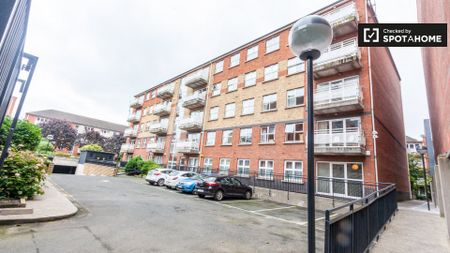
x=45, y=148
x=143, y=166
x=26, y=135
x=62, y=154
x=22, y=175
x=91, y=147
x=148, y=166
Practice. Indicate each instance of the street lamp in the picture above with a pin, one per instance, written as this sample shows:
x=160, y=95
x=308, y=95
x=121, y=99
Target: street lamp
x=422, y=151
x=307, y=38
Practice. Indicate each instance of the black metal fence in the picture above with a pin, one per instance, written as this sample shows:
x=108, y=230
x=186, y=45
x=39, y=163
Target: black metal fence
x=356, y=228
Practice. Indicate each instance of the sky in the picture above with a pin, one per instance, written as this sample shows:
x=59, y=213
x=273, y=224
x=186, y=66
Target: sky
x=94, y=55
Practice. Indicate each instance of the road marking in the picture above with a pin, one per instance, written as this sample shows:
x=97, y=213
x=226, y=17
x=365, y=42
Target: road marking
x=270, y=209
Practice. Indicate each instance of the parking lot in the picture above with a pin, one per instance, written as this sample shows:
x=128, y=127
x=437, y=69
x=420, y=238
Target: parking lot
x=125, y=214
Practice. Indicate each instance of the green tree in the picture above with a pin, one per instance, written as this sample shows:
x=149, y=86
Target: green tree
x=91, y=147
x=416, y=174
x=26, y=135
x=137, y=163
x=64, y=135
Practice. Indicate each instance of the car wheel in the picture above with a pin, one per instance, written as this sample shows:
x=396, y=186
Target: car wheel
x=161, y=182
x=248, y=195
x=201, y=196
x=219, y=195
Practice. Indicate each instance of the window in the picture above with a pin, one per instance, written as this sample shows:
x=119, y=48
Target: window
x=245, y=136
x=234, y=61
x=267, y=134
x=227, y=137
x=265, y=170
x=293, y=171
x=338, y=132
x=269, y=102
x=230, y=110
x=214, y=113
x=295, y=97
x=248, y=106
x=154, y=94
x=273, y=44
x=252, y=53
x=243, y=167
x=295, y=65
x=340, y=178
x=216, y=89
x=210, y=138
x=271, y=72
x=224, y=166
x=219, y=67
x=250, y=79
x=158, y=159
x=294, y=132
x=232, y=84
x=207, y=165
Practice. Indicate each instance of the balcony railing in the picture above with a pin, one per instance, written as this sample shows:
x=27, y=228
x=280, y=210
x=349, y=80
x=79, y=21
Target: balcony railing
x=191, y=124
x=196, y=81
x=188, y=147
x=344, y=20
x=158, y=128
x=335, y=97
x=156, y=147
x=165, y=91
x=137, y=102
x=134, y=118
x=349, y=141
x=127, y=148
x=194, y=101
x=339, y=57
x=130, y=132
x=162, y=109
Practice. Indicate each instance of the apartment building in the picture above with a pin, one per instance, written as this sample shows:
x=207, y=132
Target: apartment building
x=244, y=111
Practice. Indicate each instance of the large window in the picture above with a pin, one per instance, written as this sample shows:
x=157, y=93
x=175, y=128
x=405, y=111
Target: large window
x=227, y=137
x=158, y=159
x=293, y=171
x=216, y=89
x=265, y=170
x=214, y=113
x=243, y=167
x=271, y=72
x=252, y=53
x=340, y=179
x=207, y=165
x=219, y=67
x=230, y=110
x=245, y=136
x=224, y=166
x=232, y=84
x=294, y=132
x=250, y=79
x=339, y=133
x=248, y=106
x=234, y=61
x=273, y=44
x=295, y=65
x=267, y=134
x=269, y=102
x=295, y=97
x=211, y=138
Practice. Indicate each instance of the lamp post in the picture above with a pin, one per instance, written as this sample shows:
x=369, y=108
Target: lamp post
x=307, y=38
x=422, y=151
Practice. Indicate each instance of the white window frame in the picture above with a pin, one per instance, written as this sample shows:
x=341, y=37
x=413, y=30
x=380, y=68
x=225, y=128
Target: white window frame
x=232, y=84
x=292, y=170
x=246, y=108
x=294, y=131
x=290, y=97
x=345, y=179
x=271, y=72
x=224, y=166
x=215, y=90
x=210, y=138
x=227, y=140
x=230, y=110
x=214, y=113
x=207, y=165
x=268, y=171
x=218, y=67
x=247, y=130
x=269, y=103
x=235, y=59
x=250, y=79
x=264, y=136
x=295, y=65
x=272, y=44
x=243, y=167
x=252, y=53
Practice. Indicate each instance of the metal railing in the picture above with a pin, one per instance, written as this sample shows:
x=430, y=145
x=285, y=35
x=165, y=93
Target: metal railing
x=127, y=147
x=338, y=51
x=341, y=14
x=137, y=102
x=156, y=146
x=187, y=146
x=130, y=132
x=332, y=92
x=158, y=127
x=165, y=90
x=355, y=229
x=134, y=117
x=339, y=137
x=191, y=123
x=162, y=109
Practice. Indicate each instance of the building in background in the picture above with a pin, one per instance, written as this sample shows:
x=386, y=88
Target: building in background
x=244, y=111
x=413, y=144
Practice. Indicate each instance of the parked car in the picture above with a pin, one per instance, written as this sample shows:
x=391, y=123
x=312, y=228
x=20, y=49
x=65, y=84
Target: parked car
x=158, y=176
x=219, y=187
x=176, y=176
x=188, y=185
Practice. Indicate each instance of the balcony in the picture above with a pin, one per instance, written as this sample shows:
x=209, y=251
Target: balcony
x=137, y=102
x=339, y=57
x=344, y=20
x=165, y=92
x=127, y=148
x=195, y=101
x=196, y=81
x=134, y=118
x=130, y=132
x=162, y=109
x=338, y=96
x=157, y=147
x=349, y=141
x=158, y=128
x=187, y=147
x=193, y=124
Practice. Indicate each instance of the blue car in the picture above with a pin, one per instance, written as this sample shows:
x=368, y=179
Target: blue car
x=188, y=185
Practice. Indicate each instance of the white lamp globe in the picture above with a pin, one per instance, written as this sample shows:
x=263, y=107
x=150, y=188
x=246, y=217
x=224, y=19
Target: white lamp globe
x=309, y=36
